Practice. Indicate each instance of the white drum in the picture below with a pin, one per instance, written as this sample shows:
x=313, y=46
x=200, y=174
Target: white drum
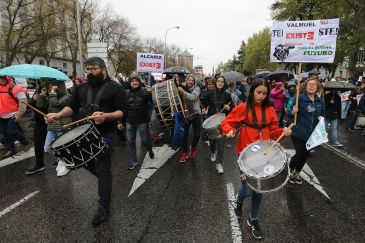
x=212, y=125
x=264, y=173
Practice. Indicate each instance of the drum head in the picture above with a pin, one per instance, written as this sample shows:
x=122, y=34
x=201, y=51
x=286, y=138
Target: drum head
x=70, y=135
x=255, y=164
x=214, y=121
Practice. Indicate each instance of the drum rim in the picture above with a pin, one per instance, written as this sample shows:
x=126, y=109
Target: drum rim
x=210, y=118
x=92, y=126
x=276, y=171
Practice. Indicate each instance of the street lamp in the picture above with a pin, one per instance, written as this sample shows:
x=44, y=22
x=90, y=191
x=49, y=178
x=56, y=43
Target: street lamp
x=79, y=36
x=174, y=27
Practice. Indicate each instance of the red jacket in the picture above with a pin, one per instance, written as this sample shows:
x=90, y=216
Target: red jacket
x=7, y=103
x=250, y=135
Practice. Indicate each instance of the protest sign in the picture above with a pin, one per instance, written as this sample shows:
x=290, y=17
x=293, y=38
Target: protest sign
x=312, y=41
x=318, y=136
x=147, y=62
x=21, y=82
x=31, y=92
x=345, y=95
x=69, y=84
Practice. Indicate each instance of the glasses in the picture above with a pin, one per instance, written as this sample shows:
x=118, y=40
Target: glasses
x=91, y=69
x=312, y=84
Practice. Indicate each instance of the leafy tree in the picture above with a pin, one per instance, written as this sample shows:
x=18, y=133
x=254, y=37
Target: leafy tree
x=257, y=52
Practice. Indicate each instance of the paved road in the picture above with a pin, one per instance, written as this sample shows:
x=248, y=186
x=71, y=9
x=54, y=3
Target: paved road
x=183, y=203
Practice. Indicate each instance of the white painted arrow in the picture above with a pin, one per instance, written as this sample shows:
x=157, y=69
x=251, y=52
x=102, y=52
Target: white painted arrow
x=308, y=175
x=150, y=166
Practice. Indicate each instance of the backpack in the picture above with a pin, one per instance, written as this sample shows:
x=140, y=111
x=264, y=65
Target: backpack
x=10, y=91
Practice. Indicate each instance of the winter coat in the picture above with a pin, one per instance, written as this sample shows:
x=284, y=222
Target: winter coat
x=215, y=100
x=333, y=105
x=191, y=98
x=277, y=97
x=308, y=113
x=249, y=134
x=138, y=104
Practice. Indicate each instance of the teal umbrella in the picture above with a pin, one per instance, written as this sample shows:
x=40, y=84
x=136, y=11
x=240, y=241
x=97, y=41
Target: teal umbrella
x=33, y=71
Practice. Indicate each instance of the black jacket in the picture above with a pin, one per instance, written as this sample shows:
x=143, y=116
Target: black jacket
x=112, y=99
x=333, y=105
x=138, y=105
x=215, y=100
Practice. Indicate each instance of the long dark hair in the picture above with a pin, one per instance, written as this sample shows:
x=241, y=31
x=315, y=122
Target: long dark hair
x=251, y=96
x=225, y=86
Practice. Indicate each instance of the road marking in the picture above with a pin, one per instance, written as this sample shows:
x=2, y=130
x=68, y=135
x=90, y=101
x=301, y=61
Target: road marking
x=235, y=226
x=150, y=166
x=346, y=155
x=308, y=175
x=18, y=157
x=20, y=202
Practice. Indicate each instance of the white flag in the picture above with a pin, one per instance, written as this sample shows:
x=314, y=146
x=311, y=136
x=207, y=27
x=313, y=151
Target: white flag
x=318, y=136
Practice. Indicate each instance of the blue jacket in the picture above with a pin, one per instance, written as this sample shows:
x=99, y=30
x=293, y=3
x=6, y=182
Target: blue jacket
x=308, y=113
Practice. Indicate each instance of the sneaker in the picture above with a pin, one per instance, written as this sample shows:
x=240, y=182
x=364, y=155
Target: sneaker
x=2, y=146
x=134, y=165
x=101, y=216
x=192, y=153
x=151, y=153
x=213, y=157
x=350, y=129
x=255, y=228
x=292, y=177
x=363, y=134
x=312, y=151
x=7, y=154
x=337, y=145
x=238, y=209
x=34, y=170
x=62, y=171
x=298, y=180
x=183, y=158
x=219, y=168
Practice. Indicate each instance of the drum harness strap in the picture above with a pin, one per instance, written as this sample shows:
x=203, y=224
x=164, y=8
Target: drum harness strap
x=97, y=98
x=255, y=123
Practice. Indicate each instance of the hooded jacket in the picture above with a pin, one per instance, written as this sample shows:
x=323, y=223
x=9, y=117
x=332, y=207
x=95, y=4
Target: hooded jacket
x=192, y=98
x=137, y=102
x=215, y=101
x=277, y=96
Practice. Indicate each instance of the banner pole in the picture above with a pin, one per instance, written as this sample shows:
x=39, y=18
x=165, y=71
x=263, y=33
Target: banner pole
x=299, y=78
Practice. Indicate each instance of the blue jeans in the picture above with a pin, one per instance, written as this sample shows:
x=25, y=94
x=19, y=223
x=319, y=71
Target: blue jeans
x=256, y=198
x=333, y=124
x=144, y=133
x=51, y=135
x=196, y=123
x=345, y=105
x=12, y=131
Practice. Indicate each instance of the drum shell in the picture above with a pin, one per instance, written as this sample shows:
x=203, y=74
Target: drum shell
x=86, y=147
x=267, y=183
x=215, y=131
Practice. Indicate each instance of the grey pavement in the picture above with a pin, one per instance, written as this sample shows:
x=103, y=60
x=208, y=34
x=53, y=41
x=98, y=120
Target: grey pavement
x=185, y=203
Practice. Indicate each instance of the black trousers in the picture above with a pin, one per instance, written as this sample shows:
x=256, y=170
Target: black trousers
x=298, y=161
x=101, y=168
x=40, y=133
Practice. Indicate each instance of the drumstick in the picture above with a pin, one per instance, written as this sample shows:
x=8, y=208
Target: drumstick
x=223, y=107
x=36, y=110
x=277, y=140
x=81, y=120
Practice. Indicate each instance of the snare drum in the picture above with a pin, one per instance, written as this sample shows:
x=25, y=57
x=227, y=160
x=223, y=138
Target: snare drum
x=79, y=146
x=212, y=125
x=166, y=101
x=264, y=173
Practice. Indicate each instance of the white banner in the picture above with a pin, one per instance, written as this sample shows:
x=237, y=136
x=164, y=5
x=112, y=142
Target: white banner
x=69, y=84
x=345, y=95
x=148, y=62
x=22, y=82
x=304, y=41
x=31, y=92
x=319, y=135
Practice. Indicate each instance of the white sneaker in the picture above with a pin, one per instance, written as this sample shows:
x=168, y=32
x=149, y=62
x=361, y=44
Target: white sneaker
x=219, y=168
x=213, y=156
x=59, y=165
x=62, y=171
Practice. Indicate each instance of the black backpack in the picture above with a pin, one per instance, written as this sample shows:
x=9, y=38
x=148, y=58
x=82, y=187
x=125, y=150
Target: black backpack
x=10, y=90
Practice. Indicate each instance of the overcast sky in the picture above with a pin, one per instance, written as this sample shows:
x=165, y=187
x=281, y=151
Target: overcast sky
x=214, y=29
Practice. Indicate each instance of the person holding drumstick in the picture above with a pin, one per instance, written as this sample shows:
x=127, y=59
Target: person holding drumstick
x=103, y=100
x=260, y=122
x=218, y=100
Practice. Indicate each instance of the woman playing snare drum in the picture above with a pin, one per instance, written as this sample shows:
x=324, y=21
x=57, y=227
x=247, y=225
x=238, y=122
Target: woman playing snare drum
x=261, y=123
x=218, y=100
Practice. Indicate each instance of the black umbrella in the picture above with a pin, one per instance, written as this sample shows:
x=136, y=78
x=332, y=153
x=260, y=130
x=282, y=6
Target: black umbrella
x=176, y=70
x=280, y=75
x=233, y=77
